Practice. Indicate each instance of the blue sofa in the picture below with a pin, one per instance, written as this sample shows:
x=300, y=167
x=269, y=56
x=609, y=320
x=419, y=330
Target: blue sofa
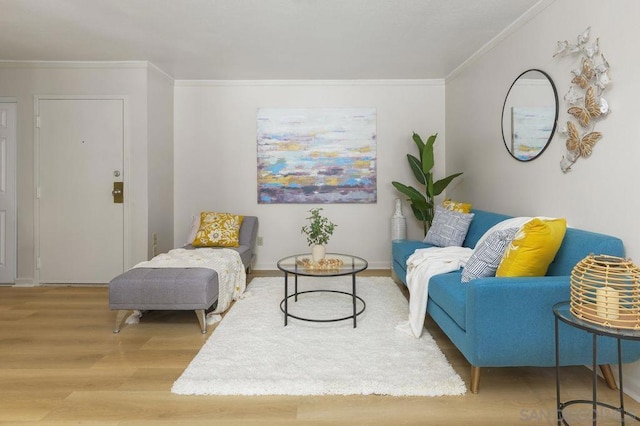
x=509, y=322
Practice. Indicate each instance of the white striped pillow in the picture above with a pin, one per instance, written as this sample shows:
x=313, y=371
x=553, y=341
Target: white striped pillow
x=488, y=254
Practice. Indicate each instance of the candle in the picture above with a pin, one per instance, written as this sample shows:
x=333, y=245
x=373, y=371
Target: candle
x=607, y=303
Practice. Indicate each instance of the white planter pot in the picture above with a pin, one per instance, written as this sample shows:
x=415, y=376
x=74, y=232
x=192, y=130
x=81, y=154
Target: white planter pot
x=317, y=252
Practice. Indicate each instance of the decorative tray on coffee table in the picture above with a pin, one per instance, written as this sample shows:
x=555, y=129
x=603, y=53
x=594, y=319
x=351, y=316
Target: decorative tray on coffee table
x=321, y=265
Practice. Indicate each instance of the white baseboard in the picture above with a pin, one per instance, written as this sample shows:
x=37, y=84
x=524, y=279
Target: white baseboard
x=24, y=282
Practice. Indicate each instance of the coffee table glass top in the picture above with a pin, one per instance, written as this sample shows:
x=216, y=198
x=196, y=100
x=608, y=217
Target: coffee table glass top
x=335, y=264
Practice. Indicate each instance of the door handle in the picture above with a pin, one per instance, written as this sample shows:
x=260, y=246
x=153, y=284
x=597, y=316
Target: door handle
x=118, y=192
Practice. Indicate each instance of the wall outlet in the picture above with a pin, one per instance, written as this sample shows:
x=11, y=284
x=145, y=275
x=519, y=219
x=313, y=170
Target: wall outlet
x=260, y=241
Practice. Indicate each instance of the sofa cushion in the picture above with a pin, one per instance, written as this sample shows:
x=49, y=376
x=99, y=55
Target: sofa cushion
x=481, y=222
x=514, y=222
x=487, y=255
x=402, y=249
x=218, y=230
x=577, y=244
x=195, y=225
x=533, y=248
x=456, y=206
x=449, y=228
x=450, y=294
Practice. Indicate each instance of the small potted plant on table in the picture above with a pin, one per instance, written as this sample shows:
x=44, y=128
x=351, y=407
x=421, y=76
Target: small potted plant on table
x=318, y=232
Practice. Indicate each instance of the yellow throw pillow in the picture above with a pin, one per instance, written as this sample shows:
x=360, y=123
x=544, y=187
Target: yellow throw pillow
x=533, y=248
x=456, y=207
x=218, y=230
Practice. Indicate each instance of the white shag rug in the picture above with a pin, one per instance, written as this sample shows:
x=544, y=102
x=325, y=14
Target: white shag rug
x=251, y=352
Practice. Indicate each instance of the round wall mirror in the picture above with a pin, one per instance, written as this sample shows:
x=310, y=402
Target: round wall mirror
x=529, y=115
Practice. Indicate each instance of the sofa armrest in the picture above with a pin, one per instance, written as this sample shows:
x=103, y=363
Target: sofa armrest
x=501, y=311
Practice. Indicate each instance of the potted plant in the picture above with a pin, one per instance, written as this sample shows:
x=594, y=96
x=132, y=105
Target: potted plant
x=423, y=203
x=318, y=232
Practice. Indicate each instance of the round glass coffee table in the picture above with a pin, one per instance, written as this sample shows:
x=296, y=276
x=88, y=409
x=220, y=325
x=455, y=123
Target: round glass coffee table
x=338, y=265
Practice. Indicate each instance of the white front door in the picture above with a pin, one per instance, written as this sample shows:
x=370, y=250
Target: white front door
x=80, y=155
x=8, y=157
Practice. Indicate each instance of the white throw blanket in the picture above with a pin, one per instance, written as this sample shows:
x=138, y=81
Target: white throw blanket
x=232, y=278
x=421, y=266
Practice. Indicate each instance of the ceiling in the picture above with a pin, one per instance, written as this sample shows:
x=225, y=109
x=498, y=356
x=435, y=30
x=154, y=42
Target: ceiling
x=260, y=39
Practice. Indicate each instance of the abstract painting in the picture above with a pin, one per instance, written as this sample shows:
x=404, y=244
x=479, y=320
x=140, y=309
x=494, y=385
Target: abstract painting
x=316, y=155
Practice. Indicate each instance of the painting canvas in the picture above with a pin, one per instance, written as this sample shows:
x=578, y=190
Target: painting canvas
x=531, y=127
x=316, y=155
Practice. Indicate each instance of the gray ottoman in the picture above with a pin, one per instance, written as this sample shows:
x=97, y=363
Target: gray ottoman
x=164, y=289
x=176, y=288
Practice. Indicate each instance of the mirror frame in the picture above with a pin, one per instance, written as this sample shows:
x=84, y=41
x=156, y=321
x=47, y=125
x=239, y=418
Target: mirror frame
x=555, y=120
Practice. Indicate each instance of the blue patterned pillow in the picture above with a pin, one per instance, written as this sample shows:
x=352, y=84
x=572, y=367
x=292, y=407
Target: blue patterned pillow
x=448, y=228
x=488, y=254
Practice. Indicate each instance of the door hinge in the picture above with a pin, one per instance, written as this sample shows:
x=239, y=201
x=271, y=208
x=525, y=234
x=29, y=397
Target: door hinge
x=38, y=193
x=38, y=121
x=38, y=263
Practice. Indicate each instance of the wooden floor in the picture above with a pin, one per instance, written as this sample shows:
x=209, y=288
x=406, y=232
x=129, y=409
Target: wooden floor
x=61, y=364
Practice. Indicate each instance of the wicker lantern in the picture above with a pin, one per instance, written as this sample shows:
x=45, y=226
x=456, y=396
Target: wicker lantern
x=605, y=290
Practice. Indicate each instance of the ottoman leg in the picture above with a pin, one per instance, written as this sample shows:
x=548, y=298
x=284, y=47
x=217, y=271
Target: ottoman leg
x=202, y=320
x=120, y=317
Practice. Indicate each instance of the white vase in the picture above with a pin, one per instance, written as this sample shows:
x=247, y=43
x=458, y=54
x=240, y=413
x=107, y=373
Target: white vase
x=317, y=252
x=398, y=223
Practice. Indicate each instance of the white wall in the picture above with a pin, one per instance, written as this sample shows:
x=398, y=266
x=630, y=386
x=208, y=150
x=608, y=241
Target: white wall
x=215, y=158
x=24, y=81
x=599, y=193
x=160, y=133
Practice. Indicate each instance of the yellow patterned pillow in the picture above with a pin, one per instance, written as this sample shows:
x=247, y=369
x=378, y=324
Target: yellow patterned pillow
x=456, y=207
x=533, y=248
x=218, y=230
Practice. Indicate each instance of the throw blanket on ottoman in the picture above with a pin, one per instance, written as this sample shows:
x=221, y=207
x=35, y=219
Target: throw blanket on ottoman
x=232, y=278
x=421, y=266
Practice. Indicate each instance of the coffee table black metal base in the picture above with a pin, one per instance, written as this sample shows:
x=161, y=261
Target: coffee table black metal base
x=295, y=265
x=284, y=305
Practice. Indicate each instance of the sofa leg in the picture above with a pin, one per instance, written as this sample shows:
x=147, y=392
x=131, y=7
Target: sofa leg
x=608, y=376
x=202, y=320
x=475, y=379
x=121, y=315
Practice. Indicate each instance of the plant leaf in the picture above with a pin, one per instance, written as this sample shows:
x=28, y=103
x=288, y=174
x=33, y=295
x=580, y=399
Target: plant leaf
x=420, y=214
x=440, y=185
x=421, y=203
x=416, y=167
x=418, y=140
x=429, y=185
x=427, y=159
x=415, y=197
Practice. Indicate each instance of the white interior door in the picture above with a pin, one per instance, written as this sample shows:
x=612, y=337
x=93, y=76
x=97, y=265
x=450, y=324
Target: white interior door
x=8, y=147
x=80, y=156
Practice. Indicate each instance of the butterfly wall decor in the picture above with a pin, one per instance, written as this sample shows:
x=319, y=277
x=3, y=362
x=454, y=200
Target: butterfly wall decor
x=582, y=145
x=583, y=77
x=591, y=109
x=586, y=104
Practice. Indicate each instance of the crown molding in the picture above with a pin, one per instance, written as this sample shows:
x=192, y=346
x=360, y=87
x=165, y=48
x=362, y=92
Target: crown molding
x=512, y=28
x=160, y=71
x=231, y=83
x=87, y=65
x=74, y=64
